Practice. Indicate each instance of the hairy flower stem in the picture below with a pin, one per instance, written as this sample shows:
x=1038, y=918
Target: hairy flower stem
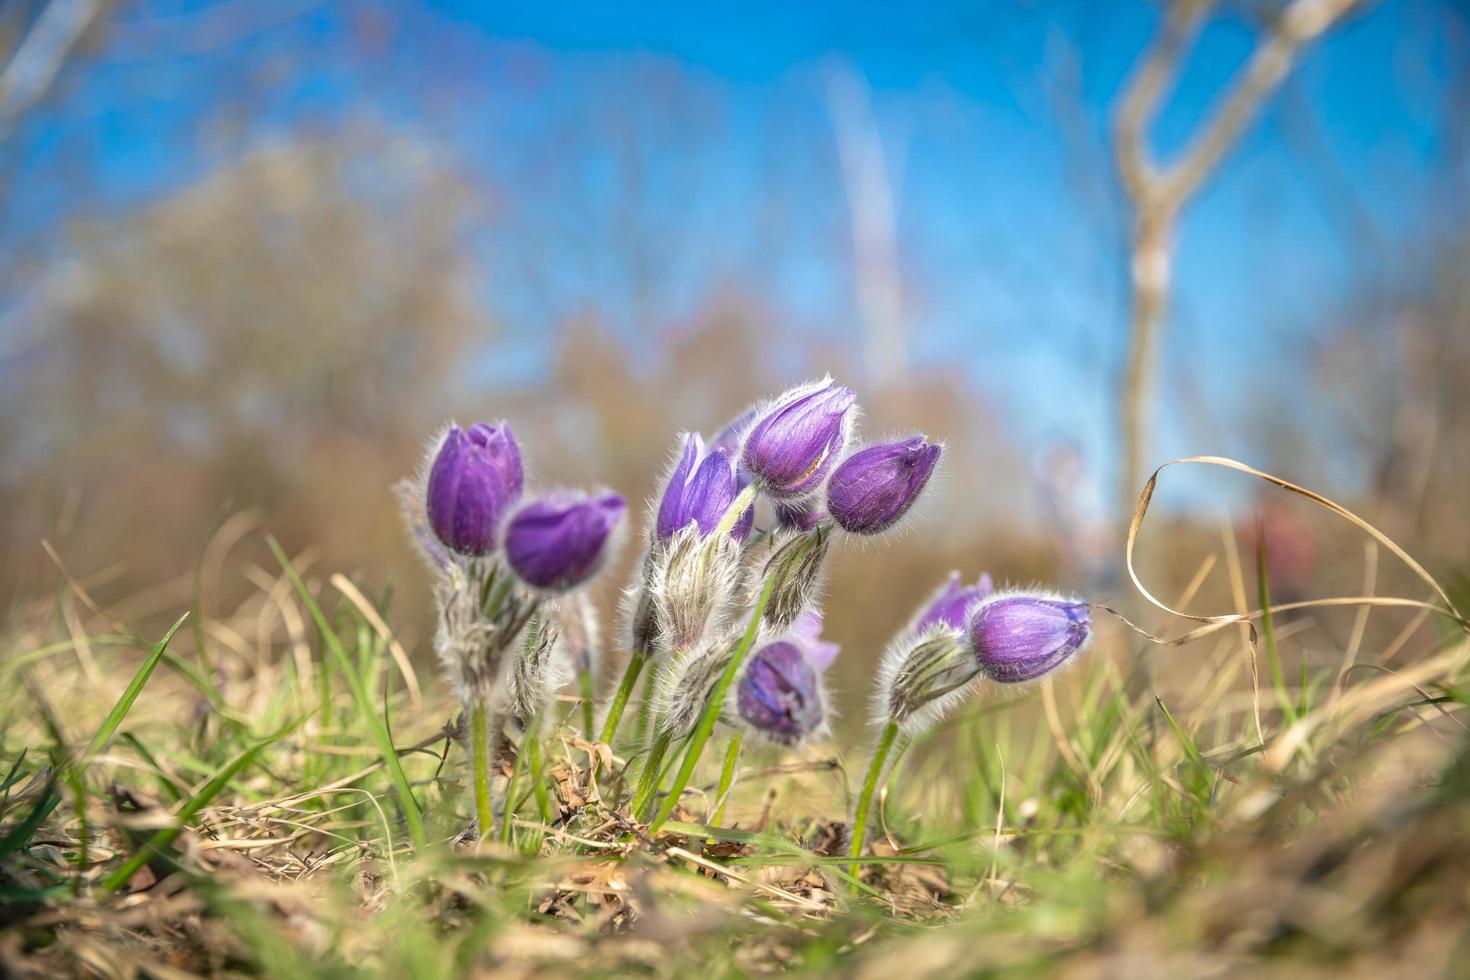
x=727, y=778
x=648, y=779
x=480, y=747
x=714, y=705
x=870, y=786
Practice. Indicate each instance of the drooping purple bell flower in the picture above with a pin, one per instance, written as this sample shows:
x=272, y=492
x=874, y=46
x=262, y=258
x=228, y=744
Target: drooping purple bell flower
x=701, y=488
x=874, y=487
x=560, y=541
x=951, y=605
x=797, y=438
x=475, y=480
x=780, y=693
x=1019, y=637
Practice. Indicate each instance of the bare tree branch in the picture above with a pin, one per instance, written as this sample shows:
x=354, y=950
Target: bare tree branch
x=38, y=58
x=1157, y=194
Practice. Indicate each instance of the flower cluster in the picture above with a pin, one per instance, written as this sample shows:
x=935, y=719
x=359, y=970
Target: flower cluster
x=724, y=610
x=966, y=635
x=507, y=569
x=707, y=564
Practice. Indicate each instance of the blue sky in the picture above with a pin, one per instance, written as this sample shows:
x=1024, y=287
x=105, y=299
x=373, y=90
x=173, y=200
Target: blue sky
x=994, y=115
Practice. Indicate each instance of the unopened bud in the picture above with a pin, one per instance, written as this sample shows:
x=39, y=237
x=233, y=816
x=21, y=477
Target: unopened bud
x=1020, y=636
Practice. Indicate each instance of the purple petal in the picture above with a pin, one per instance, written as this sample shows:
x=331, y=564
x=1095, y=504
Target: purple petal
x=1022, y=637
x=558, y=543
x=876, y=486
x=792, y=446
x=952, y=605
x=476, y=478
x=780, y=694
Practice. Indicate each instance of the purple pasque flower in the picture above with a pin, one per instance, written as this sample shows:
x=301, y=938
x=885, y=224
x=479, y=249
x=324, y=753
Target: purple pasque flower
x=806, y=632
x=701, y=488
x=801, y=515
x=730, y=437
x=875, y=486
x=780, y=693
x=560, y=541
x=1019, y=636
x=796, y=439
x=951, y=605
x=476, y=478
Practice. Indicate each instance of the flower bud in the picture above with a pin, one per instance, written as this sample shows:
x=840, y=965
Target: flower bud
x=702, y=486
x=780, y=692
x=795, y=563
x=874, y=487
x=1017, y=637
x=779, y=695
x=559, y=542
x=536, y=675
x=685, y=685
x=640, y=606
x=920, y=677
x=475, y=479
x=693, y=584
x=796, y=439
x=951, y=605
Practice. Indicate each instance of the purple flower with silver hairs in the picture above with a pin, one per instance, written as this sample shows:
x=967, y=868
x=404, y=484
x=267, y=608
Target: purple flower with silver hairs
x=559, y=542
x=701, y=488
x=730, y=437
x=1019, y=637
x=799, y=516
x=475, y=479
x=796, y=439
x=874, y=487
x=780, y=693
x=952, y=605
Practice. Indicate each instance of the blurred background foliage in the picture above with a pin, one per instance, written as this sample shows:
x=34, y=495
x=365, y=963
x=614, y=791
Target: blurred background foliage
x=252, y=255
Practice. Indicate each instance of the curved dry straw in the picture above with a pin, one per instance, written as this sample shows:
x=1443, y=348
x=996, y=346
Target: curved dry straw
x=1445, y=607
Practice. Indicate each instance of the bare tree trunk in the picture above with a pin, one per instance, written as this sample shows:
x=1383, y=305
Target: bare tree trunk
x=1158, y=194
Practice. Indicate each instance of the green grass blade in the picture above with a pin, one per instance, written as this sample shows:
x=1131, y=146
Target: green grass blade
x=360, y=696
x=22, y=831
x=130, y=695
x=163, y=838
x=1268, y=627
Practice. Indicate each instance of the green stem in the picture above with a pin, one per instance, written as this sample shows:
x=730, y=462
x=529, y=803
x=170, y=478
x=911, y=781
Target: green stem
x=507, y=835
x=620, y=699
x=732, y=514
x=870, y=786
x=712, y=709
x=648, y=779
x=645, y=706
x=536, y=762
x=480, y=747
x=584, y=682
x=727, y=778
